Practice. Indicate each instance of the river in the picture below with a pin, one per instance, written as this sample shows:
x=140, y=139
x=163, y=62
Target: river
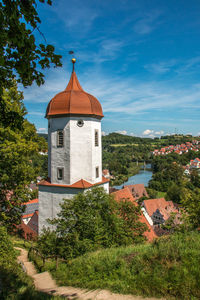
x=142, y=177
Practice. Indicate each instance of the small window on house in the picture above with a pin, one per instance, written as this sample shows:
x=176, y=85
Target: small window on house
x=96, y=138
x=60, y=138
x=97, y=172
x=60, y=172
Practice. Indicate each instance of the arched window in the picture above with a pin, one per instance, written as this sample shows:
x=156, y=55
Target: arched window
x=60, y=138
x=96, y=138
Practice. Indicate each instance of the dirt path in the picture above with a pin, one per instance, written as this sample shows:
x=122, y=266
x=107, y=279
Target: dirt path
x=44, y=282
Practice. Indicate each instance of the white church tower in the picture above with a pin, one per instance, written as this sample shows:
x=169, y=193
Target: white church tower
x=74, y=148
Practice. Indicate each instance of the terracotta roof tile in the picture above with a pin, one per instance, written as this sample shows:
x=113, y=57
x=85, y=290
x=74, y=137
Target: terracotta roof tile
x=81, y=184
x=137, y=190
x=165, y=207
x=27, y=216
x=74, y=101
x=30, y=201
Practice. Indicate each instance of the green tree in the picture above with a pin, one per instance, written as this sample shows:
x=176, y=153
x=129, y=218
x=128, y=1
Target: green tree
x=94, y=220
x=176, y=193
x=191, y=206
x=21, y=56
x=195, y=178
x=18, y=142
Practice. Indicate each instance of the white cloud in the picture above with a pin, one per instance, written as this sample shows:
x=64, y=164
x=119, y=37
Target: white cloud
x=132, y=134
x=147, y=132
x=160, y=67
x=36, y=113
x=126, y=96
x=76, y=16
x=103, y=133
x=108, y=50
x=147, y=23
x=124, y=132
x=42, y=130
x=159, y=132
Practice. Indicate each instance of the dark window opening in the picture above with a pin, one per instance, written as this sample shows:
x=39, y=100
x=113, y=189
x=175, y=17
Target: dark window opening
x=60, y=173
x=97, y=172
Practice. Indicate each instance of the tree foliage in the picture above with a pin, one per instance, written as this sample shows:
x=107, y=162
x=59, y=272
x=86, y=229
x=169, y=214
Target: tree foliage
x=94, y=220
x=18, y=142
x=21, y=56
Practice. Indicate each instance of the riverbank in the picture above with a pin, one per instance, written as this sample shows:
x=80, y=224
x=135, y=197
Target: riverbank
x=132, y=171
x=142, y=176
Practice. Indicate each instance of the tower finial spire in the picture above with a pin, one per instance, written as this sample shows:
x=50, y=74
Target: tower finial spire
x=73, y=62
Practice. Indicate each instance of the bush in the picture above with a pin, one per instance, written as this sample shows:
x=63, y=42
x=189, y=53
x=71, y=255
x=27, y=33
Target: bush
x=91, y=221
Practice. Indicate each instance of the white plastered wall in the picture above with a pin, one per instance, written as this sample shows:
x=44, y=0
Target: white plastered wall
x=50, y=198
x=79, y=157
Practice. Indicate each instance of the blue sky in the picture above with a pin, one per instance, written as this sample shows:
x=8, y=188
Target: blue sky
x=140, y=58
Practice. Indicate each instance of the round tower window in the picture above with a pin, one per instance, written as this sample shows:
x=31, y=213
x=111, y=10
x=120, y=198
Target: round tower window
x=80, y=123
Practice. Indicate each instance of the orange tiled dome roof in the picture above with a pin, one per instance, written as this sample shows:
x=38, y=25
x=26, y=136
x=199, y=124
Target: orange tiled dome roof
x=74, y=101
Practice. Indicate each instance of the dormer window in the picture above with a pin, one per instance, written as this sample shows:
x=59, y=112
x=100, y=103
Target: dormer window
x=60, y=173
x=96, y=138
x=60, y=138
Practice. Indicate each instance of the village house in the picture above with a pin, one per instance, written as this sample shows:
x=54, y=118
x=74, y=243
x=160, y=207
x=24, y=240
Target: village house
x=137, y=190
x=179, y=149
x=30, y=208
x=158, y=211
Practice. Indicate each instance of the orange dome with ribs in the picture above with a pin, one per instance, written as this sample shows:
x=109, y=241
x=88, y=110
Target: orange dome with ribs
x=74, y=101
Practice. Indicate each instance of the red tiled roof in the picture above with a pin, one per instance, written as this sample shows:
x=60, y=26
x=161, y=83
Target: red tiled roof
x=137, y=190
x=30, y=201
x=74, y=101
x=27, y=216
x=125, y=193
x=81, y=184
x=150, y=234
x=165, y=207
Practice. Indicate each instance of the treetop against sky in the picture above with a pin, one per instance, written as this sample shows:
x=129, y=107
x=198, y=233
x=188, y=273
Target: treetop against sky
x=141, y=59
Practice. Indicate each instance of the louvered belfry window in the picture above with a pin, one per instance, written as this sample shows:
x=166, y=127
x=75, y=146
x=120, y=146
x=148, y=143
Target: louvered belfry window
x=96, y=137
x=60, y=138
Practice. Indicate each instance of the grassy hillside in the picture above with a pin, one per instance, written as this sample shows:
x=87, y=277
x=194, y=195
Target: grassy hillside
x=169, y=267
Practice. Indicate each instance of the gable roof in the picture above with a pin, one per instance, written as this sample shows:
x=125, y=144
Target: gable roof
x=138, y=190
x=165, y=207
x=33, y=223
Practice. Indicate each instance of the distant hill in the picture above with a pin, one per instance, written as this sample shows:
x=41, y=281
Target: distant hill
x=120, y=140
x=117, y=138
x=44, y=135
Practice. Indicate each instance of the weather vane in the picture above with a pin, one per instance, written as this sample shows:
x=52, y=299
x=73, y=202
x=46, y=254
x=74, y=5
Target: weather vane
x=71, y=52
